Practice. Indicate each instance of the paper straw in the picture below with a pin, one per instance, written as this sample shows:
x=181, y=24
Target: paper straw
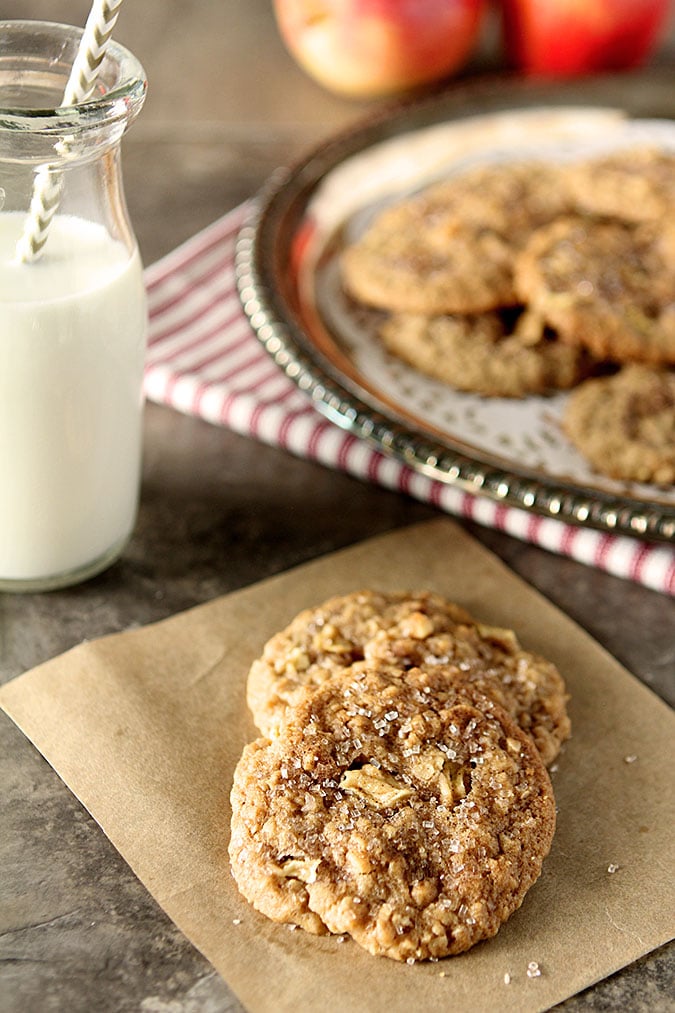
x=81, y=83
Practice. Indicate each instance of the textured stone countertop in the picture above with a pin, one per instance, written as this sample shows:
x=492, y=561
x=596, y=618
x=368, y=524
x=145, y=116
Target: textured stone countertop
x=78, y=932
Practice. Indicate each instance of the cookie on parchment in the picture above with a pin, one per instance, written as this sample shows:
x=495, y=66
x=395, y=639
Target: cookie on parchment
x=490, y=660
x=605, y=286
x=491, y=354
x=449, y=248
x=331, y=636
x=408, y=814
x=625, y=424
x=404, y=630
x=635, y=185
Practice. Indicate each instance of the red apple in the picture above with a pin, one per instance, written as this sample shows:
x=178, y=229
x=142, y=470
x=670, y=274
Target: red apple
x=366, y=48
x=562, y=38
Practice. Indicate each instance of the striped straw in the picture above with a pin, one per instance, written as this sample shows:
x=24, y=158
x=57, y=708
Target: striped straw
x=79, y=88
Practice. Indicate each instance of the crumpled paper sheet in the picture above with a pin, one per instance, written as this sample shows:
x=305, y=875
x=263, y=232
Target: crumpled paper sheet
x=145, y=727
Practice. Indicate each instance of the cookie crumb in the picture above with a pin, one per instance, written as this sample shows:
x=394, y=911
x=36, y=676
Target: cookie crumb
x=533, y=969
x=613, y=867
x=631, y=758
x=507, y=978
x=410, y=960
x=236, y=921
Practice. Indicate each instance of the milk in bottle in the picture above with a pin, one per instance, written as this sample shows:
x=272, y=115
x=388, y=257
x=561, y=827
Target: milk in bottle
x=72, y=340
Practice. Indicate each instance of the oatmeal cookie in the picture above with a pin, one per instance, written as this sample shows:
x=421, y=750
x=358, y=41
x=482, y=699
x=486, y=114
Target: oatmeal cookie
x=408, y=814
x=604, y=286
x=449, y=248
x=407, y=629
x=625, y=424
x=490, y=354
x=329, y=637
x=636, y=185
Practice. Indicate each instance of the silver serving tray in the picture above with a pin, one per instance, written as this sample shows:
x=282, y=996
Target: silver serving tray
x=287, y=254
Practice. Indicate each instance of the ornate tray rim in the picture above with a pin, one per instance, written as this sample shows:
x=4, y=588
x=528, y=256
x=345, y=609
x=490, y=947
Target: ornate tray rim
x=262, y=253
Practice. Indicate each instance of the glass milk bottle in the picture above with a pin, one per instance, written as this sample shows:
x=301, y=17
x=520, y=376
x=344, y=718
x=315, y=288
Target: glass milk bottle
x=73, y=322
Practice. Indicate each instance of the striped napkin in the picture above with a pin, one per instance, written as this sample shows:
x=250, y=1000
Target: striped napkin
x=204, y=359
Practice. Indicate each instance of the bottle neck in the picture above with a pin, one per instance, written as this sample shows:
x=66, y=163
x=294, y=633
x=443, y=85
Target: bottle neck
x=68, y=157
x=35, y=62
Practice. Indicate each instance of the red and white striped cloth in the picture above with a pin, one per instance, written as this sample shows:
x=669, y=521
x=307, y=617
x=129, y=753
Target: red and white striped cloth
x=204, y=359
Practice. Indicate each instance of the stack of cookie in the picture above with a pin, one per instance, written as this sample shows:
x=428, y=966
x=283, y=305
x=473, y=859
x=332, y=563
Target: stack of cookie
x=521, y=278
x=400, y=793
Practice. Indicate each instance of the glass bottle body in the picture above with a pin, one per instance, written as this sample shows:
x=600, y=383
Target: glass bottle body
x=73, y=321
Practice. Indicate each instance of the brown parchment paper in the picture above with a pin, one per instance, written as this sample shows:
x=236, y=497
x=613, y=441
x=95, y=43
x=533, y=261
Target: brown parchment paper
x=145, y=728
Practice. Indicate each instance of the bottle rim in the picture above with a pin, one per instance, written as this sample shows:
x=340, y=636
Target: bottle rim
x=121, y=85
